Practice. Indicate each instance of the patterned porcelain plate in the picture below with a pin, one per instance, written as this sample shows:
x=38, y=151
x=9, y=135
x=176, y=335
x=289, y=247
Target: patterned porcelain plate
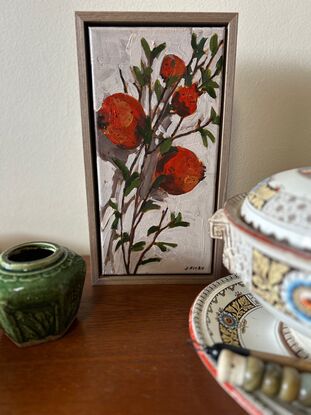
x=226, y=312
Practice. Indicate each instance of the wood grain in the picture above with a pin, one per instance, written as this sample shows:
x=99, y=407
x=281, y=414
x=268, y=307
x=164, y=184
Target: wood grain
x=127, y=354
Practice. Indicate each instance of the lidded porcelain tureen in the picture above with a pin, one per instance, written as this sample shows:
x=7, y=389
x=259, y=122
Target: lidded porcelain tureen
x=267, y=243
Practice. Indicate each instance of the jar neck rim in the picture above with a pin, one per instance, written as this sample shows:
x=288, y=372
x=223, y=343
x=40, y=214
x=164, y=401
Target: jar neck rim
x=30, y=256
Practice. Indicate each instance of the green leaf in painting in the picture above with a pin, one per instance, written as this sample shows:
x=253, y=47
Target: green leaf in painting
x=139, y=246
x=132, y=183
x=119, y=243
x=152, y=229
x=204, y=137
x=213, y=44
x=113, y=205
x=183, y=224
x=149, y=205
x=139, y=75
x=194, y=41
x=219, y=65
x=177, y=221
x=146, y=74
x=157, y=50
x=212, y=84
x=216, y=120
x=206, y=134
x=170, y=244
x=211, y=91
x=148, y=260
x=146, y=48
x=116, y=220
x=205, y=74
x=188, y=76
x=158, y=89
x=210, y=136
x=160, y=179
x=213, y=114
x=163, y=246
x=172, y=80
x=146, y=131
x=200, y=48
x=122, y=167
x=165, y=145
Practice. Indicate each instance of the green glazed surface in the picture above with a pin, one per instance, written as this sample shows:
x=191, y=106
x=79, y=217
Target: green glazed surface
x=40, y=291
x=305, y=389
x=253, y=374
x=290, y=384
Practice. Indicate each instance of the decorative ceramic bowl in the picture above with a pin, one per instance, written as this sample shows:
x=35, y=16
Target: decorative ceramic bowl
x=40, y=290
x=280, y=206
x=275, y=262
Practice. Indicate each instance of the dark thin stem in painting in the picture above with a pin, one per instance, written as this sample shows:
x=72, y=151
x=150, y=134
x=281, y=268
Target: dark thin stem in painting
x=165, y=104
x=195, y=130
x=157, y=233
x=123, y=81
x=159, y=102
x=177, y=127
x=122, y=243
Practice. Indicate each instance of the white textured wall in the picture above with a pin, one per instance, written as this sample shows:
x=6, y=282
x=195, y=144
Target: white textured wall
x=41, y=157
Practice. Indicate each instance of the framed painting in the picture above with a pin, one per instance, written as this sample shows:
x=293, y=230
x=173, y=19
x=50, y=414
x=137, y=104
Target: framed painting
x=156, y=96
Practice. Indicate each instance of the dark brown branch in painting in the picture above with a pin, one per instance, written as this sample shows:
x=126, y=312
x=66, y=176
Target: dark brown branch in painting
x=123, y=81
x=165, y=105
x=177, y=127
x=159, y=102
x=139, y=91
x=195, y=130
x=157, y=233
x=122, y=232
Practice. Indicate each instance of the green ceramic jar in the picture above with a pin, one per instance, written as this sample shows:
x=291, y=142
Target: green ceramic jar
x=40, y=291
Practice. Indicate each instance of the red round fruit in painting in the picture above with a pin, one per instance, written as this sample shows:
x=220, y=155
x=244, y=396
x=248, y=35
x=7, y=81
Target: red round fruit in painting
x=172, y=65
x=119, y=118
x=184, y=101
x=182, y=170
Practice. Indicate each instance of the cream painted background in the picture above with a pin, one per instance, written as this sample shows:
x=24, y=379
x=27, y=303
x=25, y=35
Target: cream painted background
x=41, y=158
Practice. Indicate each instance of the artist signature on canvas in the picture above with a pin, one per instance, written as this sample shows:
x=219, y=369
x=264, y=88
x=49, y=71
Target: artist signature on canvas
x=194, y=268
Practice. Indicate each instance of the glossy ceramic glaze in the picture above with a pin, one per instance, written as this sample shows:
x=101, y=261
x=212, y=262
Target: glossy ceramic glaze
x=278, y=274
x=226, y=312
x=280, y=206
x=40, y=290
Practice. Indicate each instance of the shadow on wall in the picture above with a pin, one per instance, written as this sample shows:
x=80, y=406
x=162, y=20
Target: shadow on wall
x=271, y=123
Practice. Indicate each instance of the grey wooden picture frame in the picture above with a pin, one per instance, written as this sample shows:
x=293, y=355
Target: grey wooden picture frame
x=84, y=20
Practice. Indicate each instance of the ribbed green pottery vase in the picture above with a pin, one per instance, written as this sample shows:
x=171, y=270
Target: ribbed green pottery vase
x=40, y=291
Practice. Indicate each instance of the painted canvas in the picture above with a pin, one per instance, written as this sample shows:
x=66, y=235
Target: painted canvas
x=157, y=102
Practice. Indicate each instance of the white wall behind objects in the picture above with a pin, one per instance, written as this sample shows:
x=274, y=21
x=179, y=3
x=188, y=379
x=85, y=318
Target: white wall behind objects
x=41, y=158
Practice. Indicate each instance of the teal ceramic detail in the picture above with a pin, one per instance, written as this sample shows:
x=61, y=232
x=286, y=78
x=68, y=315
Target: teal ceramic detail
x=41, y=285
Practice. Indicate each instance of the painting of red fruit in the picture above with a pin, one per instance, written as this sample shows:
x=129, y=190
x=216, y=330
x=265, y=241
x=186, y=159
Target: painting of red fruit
x=172, y=66
x=119, y=119
x=184, y=100
x=181, y=171
x=157, y=100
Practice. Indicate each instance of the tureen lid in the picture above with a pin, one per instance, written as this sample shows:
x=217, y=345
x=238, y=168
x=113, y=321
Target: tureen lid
x=280, y=206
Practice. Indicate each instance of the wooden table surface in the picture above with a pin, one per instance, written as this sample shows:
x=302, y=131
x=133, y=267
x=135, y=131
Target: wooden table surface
x=127, y=354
